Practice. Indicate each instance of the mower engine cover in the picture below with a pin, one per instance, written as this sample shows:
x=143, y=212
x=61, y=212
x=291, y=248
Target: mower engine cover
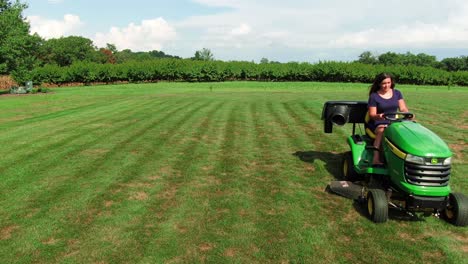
x=413, y=138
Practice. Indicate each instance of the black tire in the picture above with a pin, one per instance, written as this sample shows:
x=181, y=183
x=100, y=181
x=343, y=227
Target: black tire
x=347, y=168
x=377, y=205
x=456, y=212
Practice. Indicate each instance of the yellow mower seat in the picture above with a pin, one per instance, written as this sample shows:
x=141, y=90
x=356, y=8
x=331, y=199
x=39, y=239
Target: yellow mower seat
x=369, y=132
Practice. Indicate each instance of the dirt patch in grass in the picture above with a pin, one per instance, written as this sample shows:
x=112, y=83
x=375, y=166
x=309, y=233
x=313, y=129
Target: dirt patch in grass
x=465, y=114
x=433, y=255
x=166, y=170
x=108, y=204
x=309, y=167
x=458, y=149
x=139, y=196
x=205, y=247
x=351, y=216
x=6, y=232
x=181, y=229
x=463, y=238
x=207, y=168
x=50, y=241
x=464, y=248
x=168, y=198
x=230, y=252
x=95, y=152
x=168, y=194
x=137, y=185
x=407, y=237
x=73, y=245
x=32, y=212
x=154, y=178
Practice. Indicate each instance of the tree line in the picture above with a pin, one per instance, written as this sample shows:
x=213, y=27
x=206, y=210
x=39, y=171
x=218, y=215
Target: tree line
x=421, y=59
x=214, y=71
x=27, y=56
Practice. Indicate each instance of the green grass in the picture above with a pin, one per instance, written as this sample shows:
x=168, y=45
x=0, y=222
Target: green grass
x=204, y=172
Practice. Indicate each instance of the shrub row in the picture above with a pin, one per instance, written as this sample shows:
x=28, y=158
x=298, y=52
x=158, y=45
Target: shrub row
x=211, y=71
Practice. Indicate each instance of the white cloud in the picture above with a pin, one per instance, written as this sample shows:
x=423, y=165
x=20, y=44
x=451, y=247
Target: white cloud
x=451, y=33
x=51, y=28
x=243, y=29
x=149, y=35
x=327, y=25
x=246, y=29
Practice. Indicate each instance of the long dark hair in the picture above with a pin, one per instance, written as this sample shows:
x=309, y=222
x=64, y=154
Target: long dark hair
x=378, y=79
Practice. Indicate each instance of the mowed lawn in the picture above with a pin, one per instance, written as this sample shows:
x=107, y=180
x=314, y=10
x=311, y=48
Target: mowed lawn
x=204, y=173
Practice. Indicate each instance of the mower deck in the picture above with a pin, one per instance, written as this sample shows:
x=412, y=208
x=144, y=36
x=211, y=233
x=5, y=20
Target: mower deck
x=347, y=189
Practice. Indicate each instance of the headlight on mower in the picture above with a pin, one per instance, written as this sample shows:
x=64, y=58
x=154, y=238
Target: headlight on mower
x=447, y=161
x=428, y=161
x=414, y=159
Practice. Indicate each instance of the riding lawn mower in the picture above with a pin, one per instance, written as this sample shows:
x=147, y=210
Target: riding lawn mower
x=415, y=175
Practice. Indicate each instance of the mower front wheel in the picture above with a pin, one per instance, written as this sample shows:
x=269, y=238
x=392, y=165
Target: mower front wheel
x=456, y=212
x=348, y=172
x=377, y=205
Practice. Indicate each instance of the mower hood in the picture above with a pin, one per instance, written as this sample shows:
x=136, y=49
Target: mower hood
x=415, y=139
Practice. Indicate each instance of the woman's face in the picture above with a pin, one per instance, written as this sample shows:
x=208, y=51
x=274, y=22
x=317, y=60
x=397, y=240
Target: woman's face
x=386, y=84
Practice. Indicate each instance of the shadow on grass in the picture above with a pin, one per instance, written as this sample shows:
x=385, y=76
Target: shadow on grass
x=333, y=166
x=332, y=161
x=393, y=213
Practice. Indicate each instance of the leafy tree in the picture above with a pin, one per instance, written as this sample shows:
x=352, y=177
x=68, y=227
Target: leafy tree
x=17, y=46
x=389, y=58
x=106, y=56
x=65, y=51
x=367, y=58
x=455, y=64
x=112, y=48
x=423, y=59
x=203, y=55
x=128, y=55
x=123, y=56
x=160, y=54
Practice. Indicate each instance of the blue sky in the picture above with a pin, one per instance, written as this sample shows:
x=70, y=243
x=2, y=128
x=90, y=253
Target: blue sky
x=293, y=30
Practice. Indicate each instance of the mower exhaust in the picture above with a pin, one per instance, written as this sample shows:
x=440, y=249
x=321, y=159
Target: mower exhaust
x=347, y=189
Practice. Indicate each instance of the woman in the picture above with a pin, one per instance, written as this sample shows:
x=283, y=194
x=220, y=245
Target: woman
x=383, y=98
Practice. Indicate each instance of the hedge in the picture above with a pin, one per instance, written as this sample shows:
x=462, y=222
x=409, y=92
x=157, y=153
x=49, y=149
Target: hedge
x=214, y=71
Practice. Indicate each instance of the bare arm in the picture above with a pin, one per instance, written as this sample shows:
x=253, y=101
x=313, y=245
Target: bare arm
x=402, y=106
x=373, y=114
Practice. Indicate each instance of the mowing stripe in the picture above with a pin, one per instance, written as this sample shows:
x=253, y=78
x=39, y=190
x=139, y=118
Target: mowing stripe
x=180, y=195
x=15, y=132
x=64, y=133
x=124, y=130
x=87, y=221
x=60, y=149
x=185, y=122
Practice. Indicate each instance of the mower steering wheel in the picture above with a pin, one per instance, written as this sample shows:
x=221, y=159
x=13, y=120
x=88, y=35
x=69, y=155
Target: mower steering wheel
x=398, y=116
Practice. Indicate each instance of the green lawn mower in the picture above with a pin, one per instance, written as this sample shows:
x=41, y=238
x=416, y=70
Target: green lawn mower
x=416, y=172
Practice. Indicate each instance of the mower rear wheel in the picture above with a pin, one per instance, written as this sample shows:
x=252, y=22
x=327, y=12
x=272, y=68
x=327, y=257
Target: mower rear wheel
x=348, y=172
x=377, y=205
x=456, y=212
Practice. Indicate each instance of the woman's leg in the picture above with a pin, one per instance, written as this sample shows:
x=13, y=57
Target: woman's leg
x=377, y=143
